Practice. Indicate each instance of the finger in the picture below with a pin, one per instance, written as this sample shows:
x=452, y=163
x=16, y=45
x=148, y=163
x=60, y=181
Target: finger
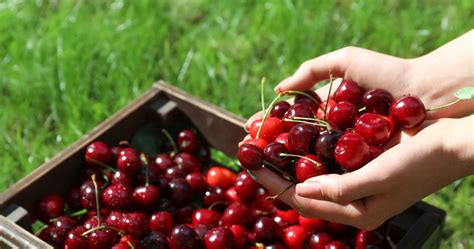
x=323, y=91
x=254, y=117
x=406, y=134
x=277, y=88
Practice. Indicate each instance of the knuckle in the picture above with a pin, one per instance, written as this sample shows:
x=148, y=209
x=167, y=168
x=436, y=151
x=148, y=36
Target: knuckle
x=347, y=52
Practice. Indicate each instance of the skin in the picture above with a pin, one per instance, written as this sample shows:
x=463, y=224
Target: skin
x=416, y=162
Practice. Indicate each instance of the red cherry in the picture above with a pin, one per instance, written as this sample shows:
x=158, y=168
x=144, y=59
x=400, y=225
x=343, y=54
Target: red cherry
x=374, y=128
x=185, y=214
x=312, y=225
x=296, y=110
x=237, y=213
x=246, y=187
x=88, y=200
x=294, y=237
x=114, y=219
x=213, y=195
x=73, y=198
x=279, y=109
x=220, y=177
x=260, y=142
x=92, y=222
x=283, y=139
x=188, y=161
x=266, y=230
x=117, y=197
x=184, y=237
x=97, y=151
x=120, y=178
x=326, y=105
x=374, y=152
x=348, y=91
x=342, y=116
x=272, y=127
x=336, y=244
x=366, y=238
x=351, y=151
x=306, y=168
x=240, y=236
x=197, y=181
x=301, y=138
x=75, y=240
x=312, y=102
x=407, y=111
x=231, y=195
x=101, y=239
x=207, y=217
x=319, y=240
x=48, y=207
x=219, y=238
x=128, y=161
x=272, y=152
x=187, y=141
x=290, y=217
x=325, y=145
x=250, y=156
x=134, y=224
x=174, y=172
x=179, y=191
x=161, y=221
x=146, y=196
x=164, y=161
x=59, y=229
x=337, y=228
x=377, y=101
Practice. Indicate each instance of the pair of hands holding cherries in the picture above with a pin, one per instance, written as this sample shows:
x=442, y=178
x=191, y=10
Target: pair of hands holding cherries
x=416, y=161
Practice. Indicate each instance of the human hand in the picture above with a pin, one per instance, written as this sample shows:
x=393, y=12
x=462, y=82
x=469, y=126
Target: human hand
x=399, y=177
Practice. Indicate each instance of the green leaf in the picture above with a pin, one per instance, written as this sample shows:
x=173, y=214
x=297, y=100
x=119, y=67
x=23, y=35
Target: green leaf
x=465, y=93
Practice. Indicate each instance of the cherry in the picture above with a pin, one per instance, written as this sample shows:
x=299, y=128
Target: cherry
x=325, y=145
x=259, y=142
x=220, y=177
x=92, y=222
x=279, y=109
x=366, y=238
x=48, y=207
x=351, y=151
x=75, y=240
x=117, y=197
x=301, y=138
x=319, y=240
x=100, y=239
x=260, y=203
x=187, y=141
x=250, y=156
x=296, y=110
x=312, y=102
x=312, y=225
x=246, y=187
x=175, y=172
x=119, y=178
x=348, y=91
x=128, y=161
x=134, y=224
x=59, y=229
x=146, y=196
x=266, y=229
x=336, y=244
x=206, y=217
x=237, y=213
x=45, y=235
x=184, y=237
x=240, y=236
x=326, y=105
x=88, y=200
x=271, y=154
x=337, y=228
x=73, y=198
x=165, y=205
x=306, y=168
x=231, y=195
x=342, y=116
x=197, y=182
x=407, y=111
x=154, y=239
x=213, y=195
x=294, y=236
x=184, y=214
x=114, y=219
x=161, y=221
x=374, y=152
x=179, y=191
x=377, y=101
x=115, y=151
x=163, y=161
x=272, y=127
x=219, y=238
x=289, y=217
x=374, y=128
x=283, y=139
x=97, y=151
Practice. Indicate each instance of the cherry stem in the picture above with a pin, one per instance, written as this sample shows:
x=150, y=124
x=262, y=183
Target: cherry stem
x=262, y=97
x=265, y=114
x=362, y=109
x=100, y=164
x=96, y=198
x=130, y=244
x=294, y=92
x=144, y=161
x=283, y=173
x=124, y=143
x=310, y=119
x=102, y=227
x=329, y=95
x=273, y=197
x=79, y=213
x=167, y=134
x=443, y=106
x=318, y=164
x=215, y=204
x=304, y=122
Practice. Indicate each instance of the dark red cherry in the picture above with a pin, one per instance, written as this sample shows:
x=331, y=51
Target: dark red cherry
x=289, y=217
x=319, y=240
x=179, y=191
x=88, y=200
x=164, y=161
x=374, y=152
x=348, y=91
x=175, y=172
x=294, y=236
x=197, y=182
x=75, y=240
x=407, y=111
x=184, y=237
x=128, y=161
x=93, y=222
x=312, y=225
x=214, y=194
x=165, y=205
x=297, y=110
x=301, y=138
x=325, y=145
x=134, y=224
x=146, y=196
x=240, y=236
x=48, y=207
x=120, y=178
x=312, y=102
x=188, y=161
x=187, y=141
x=161, y=221
x=154, y=239
x=351, y=151
x=250, y=156
x=97, y=151
x=342, y=116
x=259, y=142
x=364, y=239
x=337, y=228
x=336, y=244
x=326, y=105
x=279, y=109
x=246, y=187
x=377, y=101
x=114, y=219
x=232, y=196
x=283, y=139
x=306, y=168
x=272, y=152
x=206, y=217
x=184, y=214
x=237, y=213
x=73, y=198
x=100, y=239
x=266, y=229
x=272, y=127
x=59, y=229
x=201, y=231
x=117, y=197
x=374, y=128
x=219, y=238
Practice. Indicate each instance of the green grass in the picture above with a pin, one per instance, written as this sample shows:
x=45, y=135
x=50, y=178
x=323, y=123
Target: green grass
x=67, y=65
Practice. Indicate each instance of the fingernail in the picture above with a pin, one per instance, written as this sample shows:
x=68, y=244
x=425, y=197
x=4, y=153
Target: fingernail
x=308, y=189
x=277, y=89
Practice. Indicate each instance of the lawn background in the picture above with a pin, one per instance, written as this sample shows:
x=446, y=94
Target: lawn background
x=67, y=65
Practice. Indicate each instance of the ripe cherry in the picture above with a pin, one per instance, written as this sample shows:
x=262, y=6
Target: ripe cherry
x=279, y=109
x=231, y=195
x=272, y=127
x=296, y=110
x=246, y=187
x=283, y=139
x=366, y=238
x=219, y=238
x=187, y=141
x=117, y=197
x=312, y=102
x=48, y=207
x=188, y=161
x=161, y=221
x=75, y=240
x=325, y=145
x=337, y=228
x=119, y=178
x=266, y=229
x=259, y=142
x=319, y=240
x=351, y=151
x=203, y=154
x=407, y=111
x=342, y=116
x=306, y=168
x=184, y=237
x=93, y=222
x=374, y=152
x=336, y=244
x=220, y=177
x=377, y=101
x=88, y=200
x=163, y=161
x=213, y=195
x=209, y=218
x=153, y=239
x=99, y=152
x=134, y=224
x=250, y=156
x=174, y=172
x=237, y=213
x=73, y=198
x=374, y=128
x=184, y=214
x=290, y=217
x=312, y=225
x=197, y=182
x=59, y=229
x=271, y=154
x=128, y=161
x=240, y=236
x=179, y=191
x=348, y=91
x=101, y=239
x=294, y=236
x=301, y=138
x=326, y=105
x=146, y=196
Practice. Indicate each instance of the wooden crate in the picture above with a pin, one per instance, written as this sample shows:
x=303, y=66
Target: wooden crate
x=417, y=227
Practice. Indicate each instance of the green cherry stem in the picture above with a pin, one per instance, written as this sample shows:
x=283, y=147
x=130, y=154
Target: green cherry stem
x=101, y=227
x=362, y=109
x=144, y=162
x=331, y=79
x=96, y=198
x=265, y=114
x=79, y=213
x=215, y=204
x=89, y=159
x=262, y=97
x=304, y=122
x=319, y=165
x=167, y=134
x=294, y=92
x=443, y=106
